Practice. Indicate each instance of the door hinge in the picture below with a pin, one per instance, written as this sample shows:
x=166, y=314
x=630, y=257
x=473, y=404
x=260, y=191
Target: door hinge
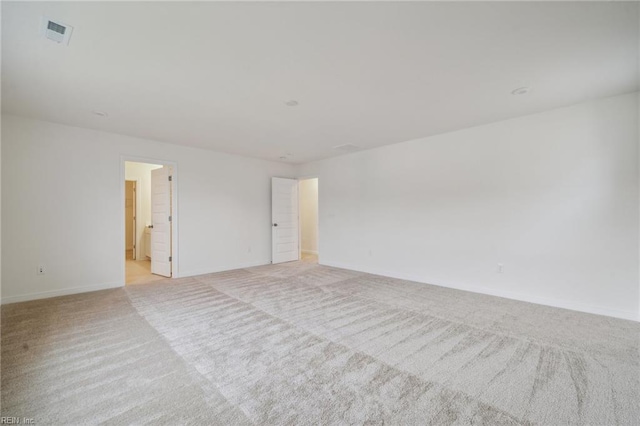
x=170, y=178
x=169, y=258
x=169, y=218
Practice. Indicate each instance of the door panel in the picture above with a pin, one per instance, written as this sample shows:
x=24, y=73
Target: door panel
x=284, y=220
x=160, y=214
x=129, y=213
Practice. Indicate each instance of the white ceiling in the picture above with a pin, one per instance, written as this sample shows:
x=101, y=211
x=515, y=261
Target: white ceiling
x=216, y=75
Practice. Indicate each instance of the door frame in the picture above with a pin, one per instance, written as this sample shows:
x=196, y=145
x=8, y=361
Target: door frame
x=175, y=270
x=300, y=222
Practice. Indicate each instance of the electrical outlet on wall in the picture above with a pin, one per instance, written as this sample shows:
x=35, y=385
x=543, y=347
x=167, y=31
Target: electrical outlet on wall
x=500, y=268
x=40, y=270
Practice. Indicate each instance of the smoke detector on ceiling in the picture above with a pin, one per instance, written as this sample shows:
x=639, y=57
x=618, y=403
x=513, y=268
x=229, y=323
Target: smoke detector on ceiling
x=521, y=91
x=56, y=31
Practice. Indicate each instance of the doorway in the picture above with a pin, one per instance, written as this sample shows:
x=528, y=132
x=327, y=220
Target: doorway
x=130, y=219
x=308, y=189
x=149, y=204
x=294, y=220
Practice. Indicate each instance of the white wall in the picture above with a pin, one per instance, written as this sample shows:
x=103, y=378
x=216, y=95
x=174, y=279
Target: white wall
x=141, y=172
x=552, y=196
x=63, y=198
x=1, y=218
x=309, y=215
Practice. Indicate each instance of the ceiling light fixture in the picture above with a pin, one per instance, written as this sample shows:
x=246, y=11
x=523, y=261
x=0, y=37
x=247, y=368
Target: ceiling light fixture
x=291, y=103
x=520, y=91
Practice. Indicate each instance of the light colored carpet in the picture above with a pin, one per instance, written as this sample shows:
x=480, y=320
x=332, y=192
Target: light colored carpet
x=305, y=344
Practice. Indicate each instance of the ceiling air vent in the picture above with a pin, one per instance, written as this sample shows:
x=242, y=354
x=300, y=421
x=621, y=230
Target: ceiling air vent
x=56, y=31
x=347, y=147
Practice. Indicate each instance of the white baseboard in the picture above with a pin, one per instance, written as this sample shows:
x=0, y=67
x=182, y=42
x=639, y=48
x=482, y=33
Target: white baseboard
x=215, y=269
x=85, y=289
x=556, y=303
x=310, y=251
x=61, y=292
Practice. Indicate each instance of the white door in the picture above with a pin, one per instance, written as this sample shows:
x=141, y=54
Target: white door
x=161, y=221
x=284, y=220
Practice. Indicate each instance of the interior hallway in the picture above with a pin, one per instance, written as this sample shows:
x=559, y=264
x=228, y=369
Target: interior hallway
x=139, y=272
x=308, y=257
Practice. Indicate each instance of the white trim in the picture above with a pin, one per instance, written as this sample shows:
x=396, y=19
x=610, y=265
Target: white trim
x=225, y=268
x=175, y=267
x=61, y=292
x=556, y=303
x=300, y=251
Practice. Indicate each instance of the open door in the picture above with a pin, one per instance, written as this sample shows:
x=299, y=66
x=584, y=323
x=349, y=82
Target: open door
x=134, y=223
x=284, y=220
x=130, y=219
x=161, y=221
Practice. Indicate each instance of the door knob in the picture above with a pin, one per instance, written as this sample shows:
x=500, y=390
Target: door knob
x=275, y=224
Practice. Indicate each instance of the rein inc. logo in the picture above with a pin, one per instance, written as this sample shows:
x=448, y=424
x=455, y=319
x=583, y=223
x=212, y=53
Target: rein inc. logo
x=17, y=421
